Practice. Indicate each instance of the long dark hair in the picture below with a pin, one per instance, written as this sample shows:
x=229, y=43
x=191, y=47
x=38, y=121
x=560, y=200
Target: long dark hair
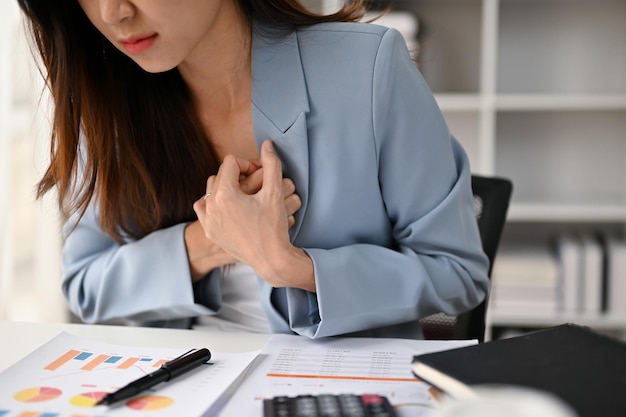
x=143, y=157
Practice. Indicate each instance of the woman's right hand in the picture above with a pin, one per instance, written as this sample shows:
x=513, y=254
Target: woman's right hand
x=205, y=256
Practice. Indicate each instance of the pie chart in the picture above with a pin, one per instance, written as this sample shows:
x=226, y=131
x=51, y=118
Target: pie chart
x=88, y=399
x=37, y=394
x=150, y=403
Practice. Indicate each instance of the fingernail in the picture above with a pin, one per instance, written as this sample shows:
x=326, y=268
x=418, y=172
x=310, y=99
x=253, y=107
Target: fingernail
x=269, y=146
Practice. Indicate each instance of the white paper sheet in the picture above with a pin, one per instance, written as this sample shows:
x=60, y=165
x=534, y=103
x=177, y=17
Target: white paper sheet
x=295, y=365
x=68, y=375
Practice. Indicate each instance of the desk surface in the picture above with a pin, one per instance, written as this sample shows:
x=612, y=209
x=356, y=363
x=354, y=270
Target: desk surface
x=20, y=338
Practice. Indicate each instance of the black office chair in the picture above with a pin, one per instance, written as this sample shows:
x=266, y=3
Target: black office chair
x=491, y=202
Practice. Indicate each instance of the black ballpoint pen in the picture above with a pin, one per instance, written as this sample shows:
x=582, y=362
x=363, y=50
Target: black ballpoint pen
x=166, y=372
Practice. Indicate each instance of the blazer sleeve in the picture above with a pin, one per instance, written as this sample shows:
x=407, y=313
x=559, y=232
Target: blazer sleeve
x=436, y=263
x=143, y=280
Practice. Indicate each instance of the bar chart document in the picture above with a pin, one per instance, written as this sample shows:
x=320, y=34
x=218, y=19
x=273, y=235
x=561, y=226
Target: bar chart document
x=295, y=365
x=68, y=375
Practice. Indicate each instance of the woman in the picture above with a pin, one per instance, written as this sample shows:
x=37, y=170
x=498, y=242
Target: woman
x=335, y=199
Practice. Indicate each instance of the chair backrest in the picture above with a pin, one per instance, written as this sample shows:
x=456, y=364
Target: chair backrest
x=491, y=202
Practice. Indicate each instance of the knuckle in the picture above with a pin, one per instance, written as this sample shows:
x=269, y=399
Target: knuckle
x=289, y=186
x=295, y=200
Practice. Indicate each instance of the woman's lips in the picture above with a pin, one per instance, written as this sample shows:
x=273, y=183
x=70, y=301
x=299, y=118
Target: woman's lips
x=138, y=44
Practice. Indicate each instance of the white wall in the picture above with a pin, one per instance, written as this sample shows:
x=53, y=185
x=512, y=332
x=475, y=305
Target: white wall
x=29, y=229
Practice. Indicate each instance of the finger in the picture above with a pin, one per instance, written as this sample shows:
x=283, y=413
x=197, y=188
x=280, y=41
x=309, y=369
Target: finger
x=289, y=187
x=272, y=169
x=292, y=203
x=199, y=207
x=246, y=166
x=210, y=187
x=291, y=221
x=253, y=182
x=233, y=168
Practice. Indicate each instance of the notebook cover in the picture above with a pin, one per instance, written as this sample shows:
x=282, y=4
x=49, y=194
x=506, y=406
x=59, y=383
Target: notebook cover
x=585, y=369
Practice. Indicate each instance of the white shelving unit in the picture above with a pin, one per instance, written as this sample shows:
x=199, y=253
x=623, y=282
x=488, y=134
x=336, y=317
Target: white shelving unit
x=536, y=92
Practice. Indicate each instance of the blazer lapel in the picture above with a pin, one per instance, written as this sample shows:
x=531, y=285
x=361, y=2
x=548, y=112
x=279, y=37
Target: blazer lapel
x=279, y=107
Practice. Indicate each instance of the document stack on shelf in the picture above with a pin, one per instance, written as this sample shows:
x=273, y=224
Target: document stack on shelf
x=525, y=279
x=580, y=274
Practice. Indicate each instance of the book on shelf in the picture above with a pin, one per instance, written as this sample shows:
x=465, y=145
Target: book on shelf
x=592, y=268
x=569, y=255
x=585, y=369
x=616, y=276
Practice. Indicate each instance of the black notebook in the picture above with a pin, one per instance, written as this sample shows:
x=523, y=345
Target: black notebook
x=585, y=369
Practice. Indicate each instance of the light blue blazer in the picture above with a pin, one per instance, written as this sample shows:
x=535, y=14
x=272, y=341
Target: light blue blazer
x=387, y=211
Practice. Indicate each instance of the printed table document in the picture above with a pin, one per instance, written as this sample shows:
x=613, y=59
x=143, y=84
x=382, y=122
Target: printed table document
x=295, y=365
x=68, y=375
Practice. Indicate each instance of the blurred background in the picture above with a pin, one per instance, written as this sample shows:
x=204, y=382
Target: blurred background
x=535, y=90
x=29, y=229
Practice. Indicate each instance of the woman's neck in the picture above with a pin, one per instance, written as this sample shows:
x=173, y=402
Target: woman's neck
x=218, y=71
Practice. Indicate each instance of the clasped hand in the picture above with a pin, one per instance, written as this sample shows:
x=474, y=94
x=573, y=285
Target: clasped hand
x=248, y=213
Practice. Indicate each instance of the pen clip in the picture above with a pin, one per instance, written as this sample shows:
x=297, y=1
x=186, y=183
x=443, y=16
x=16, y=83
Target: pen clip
x=190, y=351
x=186, y=361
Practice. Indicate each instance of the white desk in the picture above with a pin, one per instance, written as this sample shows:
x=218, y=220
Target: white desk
x=20, y=339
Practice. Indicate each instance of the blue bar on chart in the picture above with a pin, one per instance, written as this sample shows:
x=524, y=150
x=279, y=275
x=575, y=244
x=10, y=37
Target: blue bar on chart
x=82, y=356
x=113, y=359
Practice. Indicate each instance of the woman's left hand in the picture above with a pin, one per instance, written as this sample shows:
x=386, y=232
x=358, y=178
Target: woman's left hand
x=253, y=227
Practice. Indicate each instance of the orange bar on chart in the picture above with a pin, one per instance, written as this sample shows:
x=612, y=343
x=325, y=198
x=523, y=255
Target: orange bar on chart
x=29, y=414
x=160, y=362
x=128, y=363
x=95, y=362
x=346, y=377
x=71, y=354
